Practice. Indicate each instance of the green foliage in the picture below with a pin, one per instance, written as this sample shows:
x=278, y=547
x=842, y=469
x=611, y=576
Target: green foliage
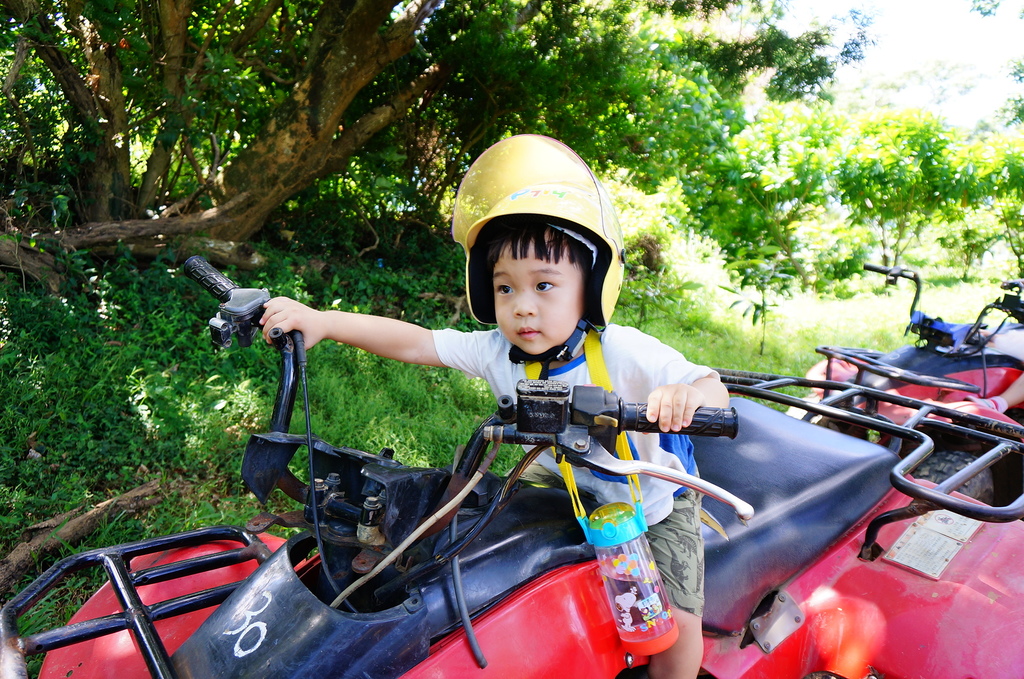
x=897, y=174
x=370, y=403
x=780, y=167
x=998, y=188
x=759, y=269
x=106, y=385
x=659, y=283
x=965, y=243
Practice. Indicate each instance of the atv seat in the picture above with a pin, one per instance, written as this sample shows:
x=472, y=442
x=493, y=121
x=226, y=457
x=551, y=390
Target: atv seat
x=808, y=485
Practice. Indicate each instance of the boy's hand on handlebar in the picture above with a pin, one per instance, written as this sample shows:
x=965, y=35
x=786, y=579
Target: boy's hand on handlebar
x=288, y=315
x=672, y=406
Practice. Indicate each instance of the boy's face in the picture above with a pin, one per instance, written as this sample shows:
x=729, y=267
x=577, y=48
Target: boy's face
x=537, y=304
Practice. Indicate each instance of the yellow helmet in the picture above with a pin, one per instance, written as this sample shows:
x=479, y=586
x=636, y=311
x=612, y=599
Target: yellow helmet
x=533, y=175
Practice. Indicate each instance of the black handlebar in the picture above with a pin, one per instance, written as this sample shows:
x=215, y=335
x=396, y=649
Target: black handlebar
x=240, y=308
x=548, y=411
x=706, y=421
x=213, y=281
x=876, y=268
x=891, y=273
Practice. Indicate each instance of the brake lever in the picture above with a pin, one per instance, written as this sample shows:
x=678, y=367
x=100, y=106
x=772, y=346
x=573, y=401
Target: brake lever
x=576, y=444
x=599, y=459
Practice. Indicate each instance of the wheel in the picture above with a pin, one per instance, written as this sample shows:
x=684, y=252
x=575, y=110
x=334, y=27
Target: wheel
x=944, y=463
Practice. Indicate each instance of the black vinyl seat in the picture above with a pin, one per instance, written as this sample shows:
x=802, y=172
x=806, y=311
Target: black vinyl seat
x=808, y=485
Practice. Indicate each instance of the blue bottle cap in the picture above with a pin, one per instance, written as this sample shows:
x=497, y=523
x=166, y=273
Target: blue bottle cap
x=614, y=523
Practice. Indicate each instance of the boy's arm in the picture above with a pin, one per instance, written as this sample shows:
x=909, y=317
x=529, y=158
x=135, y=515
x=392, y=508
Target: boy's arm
x=387, y=337
x=672, y=405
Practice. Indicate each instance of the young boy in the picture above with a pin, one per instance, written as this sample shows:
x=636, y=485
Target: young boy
x=544, y=263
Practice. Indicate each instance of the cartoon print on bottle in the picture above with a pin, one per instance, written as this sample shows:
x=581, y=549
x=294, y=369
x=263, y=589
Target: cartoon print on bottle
x=631, y=580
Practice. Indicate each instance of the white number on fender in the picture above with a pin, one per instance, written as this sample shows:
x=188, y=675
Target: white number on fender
x=247, y=643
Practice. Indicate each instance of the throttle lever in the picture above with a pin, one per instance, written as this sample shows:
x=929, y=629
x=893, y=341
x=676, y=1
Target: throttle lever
x=240, y=308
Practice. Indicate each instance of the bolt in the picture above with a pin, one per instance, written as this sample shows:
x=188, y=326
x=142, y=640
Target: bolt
x=756, y=626
x=767, y=647
x=798, y=619
x=782, y=597
x=580, y=444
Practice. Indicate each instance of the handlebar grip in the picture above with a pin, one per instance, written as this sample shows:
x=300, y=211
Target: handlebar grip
x=706, y=421
x=213, y=281
x=877, y=269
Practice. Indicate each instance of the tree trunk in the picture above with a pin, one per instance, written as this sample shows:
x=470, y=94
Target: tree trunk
x=174, y=17
x=304, y=140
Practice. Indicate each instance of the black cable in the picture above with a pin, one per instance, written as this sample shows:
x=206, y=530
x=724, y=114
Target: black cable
x=498, y=503
x=460, y=600
x=300, y=358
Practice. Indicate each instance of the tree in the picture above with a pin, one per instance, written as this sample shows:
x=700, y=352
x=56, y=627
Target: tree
x=896, y=175
x=781, y=165
x=999, y=162
x=179, y=116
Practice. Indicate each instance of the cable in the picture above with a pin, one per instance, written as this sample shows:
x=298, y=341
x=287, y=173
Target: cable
x=497, y=504
x=300, y=358
x=460, y=601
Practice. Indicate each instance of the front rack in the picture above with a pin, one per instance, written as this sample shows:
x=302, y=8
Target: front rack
x=856, y=409
x=135, y=616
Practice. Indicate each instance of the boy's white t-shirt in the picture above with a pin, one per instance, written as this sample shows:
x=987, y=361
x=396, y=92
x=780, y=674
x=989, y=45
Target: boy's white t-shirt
x=637, y=364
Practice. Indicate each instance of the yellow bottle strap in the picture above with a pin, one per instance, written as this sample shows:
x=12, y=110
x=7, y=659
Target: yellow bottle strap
x=598, y=373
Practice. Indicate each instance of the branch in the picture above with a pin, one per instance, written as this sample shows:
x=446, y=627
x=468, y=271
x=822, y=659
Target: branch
x=375, y=120
x=220, y=253
x=201, y=51
x=64, y=71
x=29, y=262
x=49, y=536
x=107, y=233
x=412, y=18
x=257, y=22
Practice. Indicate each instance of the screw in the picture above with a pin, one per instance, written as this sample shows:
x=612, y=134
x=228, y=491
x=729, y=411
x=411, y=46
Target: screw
x=756, y=626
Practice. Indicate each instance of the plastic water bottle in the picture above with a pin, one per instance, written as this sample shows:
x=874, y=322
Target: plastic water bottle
x=632, y=582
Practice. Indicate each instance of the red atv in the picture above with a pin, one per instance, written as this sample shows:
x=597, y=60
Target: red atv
x=849, y=567
x=947, y=365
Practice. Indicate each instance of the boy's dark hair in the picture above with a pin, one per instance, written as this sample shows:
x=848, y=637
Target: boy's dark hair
x=540, y=239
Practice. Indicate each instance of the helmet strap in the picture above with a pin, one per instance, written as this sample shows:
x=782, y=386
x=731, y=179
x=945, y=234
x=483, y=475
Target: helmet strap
x=562, y=352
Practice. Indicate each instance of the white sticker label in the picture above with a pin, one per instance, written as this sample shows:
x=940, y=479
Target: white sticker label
x=931, y=542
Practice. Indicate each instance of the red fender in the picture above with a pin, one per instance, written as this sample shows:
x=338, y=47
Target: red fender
x=557, y=626
x=860, y=616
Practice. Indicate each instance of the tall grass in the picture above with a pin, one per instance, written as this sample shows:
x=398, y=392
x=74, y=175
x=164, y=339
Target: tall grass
x=875, y=318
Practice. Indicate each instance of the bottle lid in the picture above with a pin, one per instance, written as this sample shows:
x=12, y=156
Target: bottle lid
x=615, y=523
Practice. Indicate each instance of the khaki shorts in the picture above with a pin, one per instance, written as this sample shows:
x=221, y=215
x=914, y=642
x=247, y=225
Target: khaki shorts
x=676, y=542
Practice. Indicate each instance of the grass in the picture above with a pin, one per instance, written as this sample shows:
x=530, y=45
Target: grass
x=876, y=318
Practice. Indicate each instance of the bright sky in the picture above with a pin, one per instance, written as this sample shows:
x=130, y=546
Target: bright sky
x=923, y=35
